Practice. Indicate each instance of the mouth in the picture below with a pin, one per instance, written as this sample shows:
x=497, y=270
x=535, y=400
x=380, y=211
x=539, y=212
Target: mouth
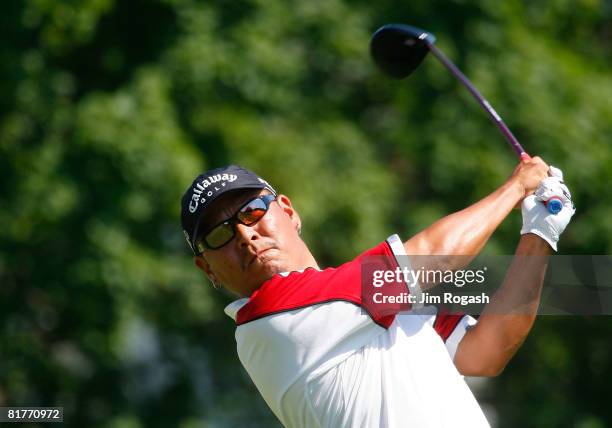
x=257, y=256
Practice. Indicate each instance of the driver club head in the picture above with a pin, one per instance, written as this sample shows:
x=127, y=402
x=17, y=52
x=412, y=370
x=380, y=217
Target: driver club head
x=398, y=49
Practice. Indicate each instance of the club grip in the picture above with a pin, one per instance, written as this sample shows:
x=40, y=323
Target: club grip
x=554, y=205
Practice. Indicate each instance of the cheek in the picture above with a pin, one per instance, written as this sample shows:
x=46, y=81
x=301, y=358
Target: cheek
x=280, y=229
x=224, y=266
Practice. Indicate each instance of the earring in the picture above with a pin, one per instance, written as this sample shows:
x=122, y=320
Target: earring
x=215, y=284
x=299, y=230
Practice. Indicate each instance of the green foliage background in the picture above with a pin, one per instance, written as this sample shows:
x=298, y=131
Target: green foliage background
x=110, y=108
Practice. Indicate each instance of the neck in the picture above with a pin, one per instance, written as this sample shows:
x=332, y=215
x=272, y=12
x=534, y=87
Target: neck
x=310, y=262
x=306, y=259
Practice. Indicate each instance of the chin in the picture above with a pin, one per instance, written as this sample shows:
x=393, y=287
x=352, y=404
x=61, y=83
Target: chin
x=270, y=268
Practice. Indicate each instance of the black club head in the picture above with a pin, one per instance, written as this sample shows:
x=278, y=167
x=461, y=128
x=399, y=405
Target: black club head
x=398, y=49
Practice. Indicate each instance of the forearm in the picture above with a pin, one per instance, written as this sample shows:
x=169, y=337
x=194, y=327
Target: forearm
x=467, y=231
x=508, y=318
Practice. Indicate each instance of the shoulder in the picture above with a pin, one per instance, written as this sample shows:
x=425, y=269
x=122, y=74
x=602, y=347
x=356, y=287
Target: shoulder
x=296, y=290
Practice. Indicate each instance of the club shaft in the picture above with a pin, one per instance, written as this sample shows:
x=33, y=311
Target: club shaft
x=496, y=118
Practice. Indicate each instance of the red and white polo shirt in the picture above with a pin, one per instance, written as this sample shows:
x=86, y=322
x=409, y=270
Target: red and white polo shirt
x=323, y=356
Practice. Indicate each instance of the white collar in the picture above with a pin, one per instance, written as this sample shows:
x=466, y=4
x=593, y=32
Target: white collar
x=232, y=309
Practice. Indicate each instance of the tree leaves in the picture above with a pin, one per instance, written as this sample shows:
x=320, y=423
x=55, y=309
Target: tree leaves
x=110, y=109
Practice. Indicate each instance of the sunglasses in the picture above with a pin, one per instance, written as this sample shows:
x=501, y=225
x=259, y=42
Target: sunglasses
x=222, y=233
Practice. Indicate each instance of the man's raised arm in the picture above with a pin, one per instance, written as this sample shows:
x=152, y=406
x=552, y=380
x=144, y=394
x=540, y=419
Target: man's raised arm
x=467, y=231
x=487, y=347
x=505, y=322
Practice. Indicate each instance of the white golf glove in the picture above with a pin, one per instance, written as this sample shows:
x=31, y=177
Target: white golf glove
x=537, y=219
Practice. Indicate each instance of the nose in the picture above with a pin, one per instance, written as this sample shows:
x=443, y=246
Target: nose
x=246, y=234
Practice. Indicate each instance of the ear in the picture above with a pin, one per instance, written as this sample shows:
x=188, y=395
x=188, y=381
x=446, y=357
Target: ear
x=203, y=265
x=287, y=207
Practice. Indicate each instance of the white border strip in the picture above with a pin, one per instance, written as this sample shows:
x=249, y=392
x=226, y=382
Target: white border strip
x=402, y=259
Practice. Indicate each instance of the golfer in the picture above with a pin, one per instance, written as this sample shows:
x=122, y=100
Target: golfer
x=321, y=354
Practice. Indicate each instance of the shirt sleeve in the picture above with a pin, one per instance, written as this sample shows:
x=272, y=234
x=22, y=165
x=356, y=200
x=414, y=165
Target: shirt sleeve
x=451, y=328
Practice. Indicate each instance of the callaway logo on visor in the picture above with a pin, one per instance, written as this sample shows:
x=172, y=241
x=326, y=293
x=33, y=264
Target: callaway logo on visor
x=208, y=186
x=200, y=193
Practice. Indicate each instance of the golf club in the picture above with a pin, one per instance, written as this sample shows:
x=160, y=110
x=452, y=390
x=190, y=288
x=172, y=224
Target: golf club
x=398, y=49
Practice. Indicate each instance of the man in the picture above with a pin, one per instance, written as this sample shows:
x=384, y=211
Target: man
x=318, y=352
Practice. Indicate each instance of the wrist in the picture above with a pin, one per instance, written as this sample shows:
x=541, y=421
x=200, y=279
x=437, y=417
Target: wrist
x=538, y=242
x=516, y=188
x=533, y=242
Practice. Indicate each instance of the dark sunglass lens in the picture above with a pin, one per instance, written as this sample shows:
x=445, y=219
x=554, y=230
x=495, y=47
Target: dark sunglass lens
x=219, y=236
x=252, y=212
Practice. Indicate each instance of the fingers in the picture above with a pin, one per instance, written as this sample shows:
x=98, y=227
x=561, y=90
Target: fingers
x=552, y=187
x=555, y=172
x=530, y=172
x=536, y=160
x=536, y=167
